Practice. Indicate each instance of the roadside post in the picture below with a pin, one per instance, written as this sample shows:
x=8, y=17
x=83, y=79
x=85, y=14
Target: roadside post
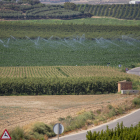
x=126, y=69
x=120, y=65
x=108, y=64
x=58, y=128
x=58, y=131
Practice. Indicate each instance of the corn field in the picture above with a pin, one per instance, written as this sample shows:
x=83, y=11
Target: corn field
x=62, y=80
x=60, y=71
x=33, y=71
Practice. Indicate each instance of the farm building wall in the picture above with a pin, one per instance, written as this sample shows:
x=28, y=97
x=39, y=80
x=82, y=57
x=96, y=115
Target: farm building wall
x=124, y=85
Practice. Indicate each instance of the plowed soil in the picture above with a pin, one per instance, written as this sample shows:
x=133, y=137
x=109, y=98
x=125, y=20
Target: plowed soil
x=22, y=110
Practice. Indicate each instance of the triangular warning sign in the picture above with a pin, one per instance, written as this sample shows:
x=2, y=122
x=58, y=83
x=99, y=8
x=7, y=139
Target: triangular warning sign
x=5, y=135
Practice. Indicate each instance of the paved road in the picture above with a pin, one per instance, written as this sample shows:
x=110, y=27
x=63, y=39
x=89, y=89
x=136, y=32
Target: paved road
x=135, y=71
x=132, y=118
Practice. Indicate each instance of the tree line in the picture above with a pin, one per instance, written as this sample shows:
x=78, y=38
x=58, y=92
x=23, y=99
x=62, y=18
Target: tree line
x=59, y=86
x=32, y=2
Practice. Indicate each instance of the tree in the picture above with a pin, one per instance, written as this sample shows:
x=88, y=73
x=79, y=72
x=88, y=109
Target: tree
x=70, y=6
x=32, y=2
x=9, y=0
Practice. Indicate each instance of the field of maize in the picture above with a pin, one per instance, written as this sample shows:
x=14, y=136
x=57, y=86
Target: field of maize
x=61, y=71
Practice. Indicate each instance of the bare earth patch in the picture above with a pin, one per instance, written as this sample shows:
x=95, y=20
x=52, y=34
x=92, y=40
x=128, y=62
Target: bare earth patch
x=22, y=110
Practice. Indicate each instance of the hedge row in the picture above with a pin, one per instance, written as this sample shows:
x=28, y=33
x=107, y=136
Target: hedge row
x=119, y=133
x=59, y=86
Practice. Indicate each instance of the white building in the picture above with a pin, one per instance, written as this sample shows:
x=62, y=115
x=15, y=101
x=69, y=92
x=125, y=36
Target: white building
x=134, y=2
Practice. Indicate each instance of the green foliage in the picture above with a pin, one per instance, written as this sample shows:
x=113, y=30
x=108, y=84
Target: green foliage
x=63, y=52
x=136, y=101
x=132, y=66
x=61, y=119
x=54, y=86
x=40, y=129
x=90, y=21
x=39, y=11
x=18, y=134
x=122, y=11
x=9, y=1
x=112, y=113
x=70, y=6
x=110, y=106
x=120, y=132
x=32, y=2
x=125, y=11
x=120, y=110
x=20, y=30
x=98, y=111
x=72, y=123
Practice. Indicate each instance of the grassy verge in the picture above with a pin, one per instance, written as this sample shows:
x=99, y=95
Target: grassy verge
x=83, y=120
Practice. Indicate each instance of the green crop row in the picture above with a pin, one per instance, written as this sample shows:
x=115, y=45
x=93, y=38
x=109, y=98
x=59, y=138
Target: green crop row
x=67, y=27
x=119, y=133
x=18, y=7
x=121, y=11
x=19, y=29
x=58, y=86
x=38, y=11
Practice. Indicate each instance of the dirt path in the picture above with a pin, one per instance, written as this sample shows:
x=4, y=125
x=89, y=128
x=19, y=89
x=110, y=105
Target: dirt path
x=22, y=110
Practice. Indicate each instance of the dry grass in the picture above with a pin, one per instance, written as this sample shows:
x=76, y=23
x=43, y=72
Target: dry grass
x=25, y=110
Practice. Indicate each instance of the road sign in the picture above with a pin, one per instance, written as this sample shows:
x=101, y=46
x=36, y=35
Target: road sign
x=126, y=69
x=120, y=65
x=58, y=128
x=108, y=64
x=5, y=136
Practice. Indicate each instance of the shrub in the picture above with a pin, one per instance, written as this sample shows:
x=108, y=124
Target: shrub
x=98, y=111
x=79, y=121
x=119, y=133
x=110, y=106
x=120, y=110
x=112, y=113
x=18, y=134
x=61, y=119
x=40, y=129
x=136, y=101
x=70, y=6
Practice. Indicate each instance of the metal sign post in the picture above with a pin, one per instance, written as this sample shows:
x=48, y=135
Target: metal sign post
x=119, y=65
x=58, y=131
x=58, y=128
x=126, y=69
x=108, y=64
